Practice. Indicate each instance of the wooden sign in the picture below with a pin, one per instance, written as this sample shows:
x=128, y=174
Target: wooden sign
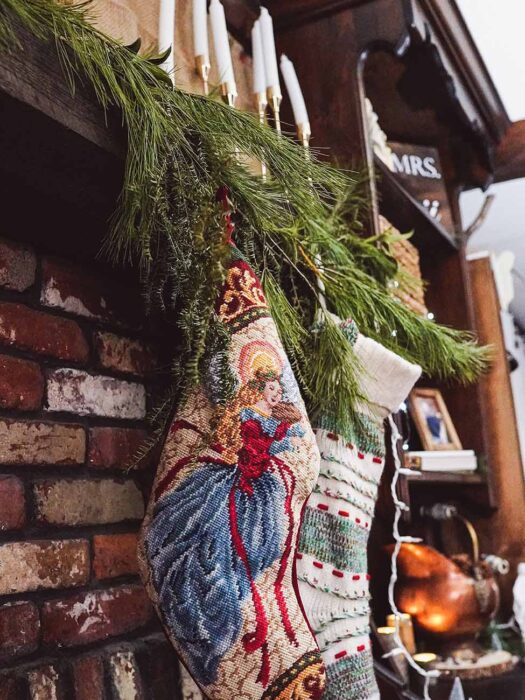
x=419, y=170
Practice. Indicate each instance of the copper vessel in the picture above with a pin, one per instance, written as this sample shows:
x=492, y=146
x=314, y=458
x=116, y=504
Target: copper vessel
x=450, y=598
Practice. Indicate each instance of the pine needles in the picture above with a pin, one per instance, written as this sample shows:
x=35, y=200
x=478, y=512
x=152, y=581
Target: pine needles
x=181, y=150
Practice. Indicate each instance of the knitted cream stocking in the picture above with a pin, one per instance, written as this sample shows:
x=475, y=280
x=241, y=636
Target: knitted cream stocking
x=332, y=559
x=218, y=541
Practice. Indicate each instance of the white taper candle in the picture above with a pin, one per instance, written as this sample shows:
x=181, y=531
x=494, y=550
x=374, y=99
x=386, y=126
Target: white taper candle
x=200, y=30
x=167, y=34
x=259, y=75
x=222, y=46
x=270, y=56
x=294, y=91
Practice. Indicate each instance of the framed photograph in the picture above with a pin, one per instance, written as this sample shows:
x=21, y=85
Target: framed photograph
x=432, y=420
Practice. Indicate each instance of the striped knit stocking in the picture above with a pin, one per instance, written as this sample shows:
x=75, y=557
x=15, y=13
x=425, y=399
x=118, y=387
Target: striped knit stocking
x=332, y=558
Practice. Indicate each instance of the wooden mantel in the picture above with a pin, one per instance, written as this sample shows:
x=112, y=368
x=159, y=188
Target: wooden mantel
x=62, y=160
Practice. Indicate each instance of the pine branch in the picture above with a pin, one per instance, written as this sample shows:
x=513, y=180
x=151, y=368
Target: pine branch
x=181, y=149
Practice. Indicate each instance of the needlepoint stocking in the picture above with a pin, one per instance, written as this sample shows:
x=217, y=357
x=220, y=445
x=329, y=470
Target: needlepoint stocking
x=332, y=559
x=218, y=542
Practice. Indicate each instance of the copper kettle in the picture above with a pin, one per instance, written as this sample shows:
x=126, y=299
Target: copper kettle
x=449, y=597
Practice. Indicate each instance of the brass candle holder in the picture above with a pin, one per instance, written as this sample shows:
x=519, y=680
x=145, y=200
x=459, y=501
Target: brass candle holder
x=202, y=67
x=425, y=659
x=229, y=93
x=262, y=104
x=229, y=96
x=304, y=134
x=274, y=100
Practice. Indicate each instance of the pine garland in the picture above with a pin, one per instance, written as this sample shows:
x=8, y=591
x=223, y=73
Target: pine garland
x=181, y=150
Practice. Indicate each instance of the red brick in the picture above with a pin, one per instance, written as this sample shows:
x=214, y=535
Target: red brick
x=69, y=287
x=29, y=566
x=87, y=502
x=45, y=684
x=114, y=448
x=115, y=555
x=37, y=443
x=12, y=503
x=123, y=354
x=42, y=333
x=19, y=629
x=21, y=384
x=96, y=615
x=88, y=678
x=17, y=266
x=75, y=391
x=125, y=677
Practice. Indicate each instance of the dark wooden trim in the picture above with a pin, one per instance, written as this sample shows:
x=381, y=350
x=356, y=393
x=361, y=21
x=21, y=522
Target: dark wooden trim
x=445, y=478
x=33, y=75
x=62, y=157
x=503, y=532
x=296, y=12
x=445, y=19
x=240, y=16
x=510, y=156
x=449, y=25
x=437, y=23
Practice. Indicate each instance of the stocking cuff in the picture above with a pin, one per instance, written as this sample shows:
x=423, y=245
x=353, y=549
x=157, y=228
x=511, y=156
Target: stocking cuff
x=386, y=378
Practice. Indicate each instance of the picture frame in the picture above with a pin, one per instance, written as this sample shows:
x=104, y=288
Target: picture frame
x=432, y=420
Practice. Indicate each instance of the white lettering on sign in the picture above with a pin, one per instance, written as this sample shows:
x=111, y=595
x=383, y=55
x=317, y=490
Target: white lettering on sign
x=417, y=166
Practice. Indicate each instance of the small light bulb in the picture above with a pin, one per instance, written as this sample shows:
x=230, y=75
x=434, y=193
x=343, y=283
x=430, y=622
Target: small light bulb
x=394, y=333
x=405, y=446
x=430, y=316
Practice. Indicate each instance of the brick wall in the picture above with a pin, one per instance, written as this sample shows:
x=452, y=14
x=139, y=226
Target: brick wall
x=78, y=366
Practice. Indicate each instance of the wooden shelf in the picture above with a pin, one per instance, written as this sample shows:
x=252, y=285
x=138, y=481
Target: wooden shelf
x=407, y=214
x=445, y=478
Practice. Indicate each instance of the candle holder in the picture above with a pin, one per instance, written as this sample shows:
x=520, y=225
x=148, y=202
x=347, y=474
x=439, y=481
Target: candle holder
x=202, y=67
x=425, y=659
x=262, y=104
x=229, y=93
x=387, y=642
x=274, y=100
x=304, y=134
x=426, y=662
x=403, y=623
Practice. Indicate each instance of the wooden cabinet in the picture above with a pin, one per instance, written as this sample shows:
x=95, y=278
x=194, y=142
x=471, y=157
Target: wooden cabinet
x=418, y=64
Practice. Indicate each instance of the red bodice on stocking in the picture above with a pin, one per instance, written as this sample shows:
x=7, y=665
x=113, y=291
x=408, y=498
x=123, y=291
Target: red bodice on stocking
x=254, y=456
